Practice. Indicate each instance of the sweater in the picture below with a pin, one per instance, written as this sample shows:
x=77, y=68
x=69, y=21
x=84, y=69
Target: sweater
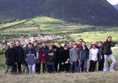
x=93, y=54
x=74, y=54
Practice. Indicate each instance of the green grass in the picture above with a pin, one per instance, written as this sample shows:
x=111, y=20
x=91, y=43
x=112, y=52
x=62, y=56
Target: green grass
x=96, y=36
x=47, y=26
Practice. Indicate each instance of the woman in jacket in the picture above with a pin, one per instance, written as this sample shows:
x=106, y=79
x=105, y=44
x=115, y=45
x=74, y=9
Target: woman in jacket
x=100, y=57
x=108, y=53
x=38, y=59
x=93, y=57
x=50, y=60
x=43, y=53
x=65, y=59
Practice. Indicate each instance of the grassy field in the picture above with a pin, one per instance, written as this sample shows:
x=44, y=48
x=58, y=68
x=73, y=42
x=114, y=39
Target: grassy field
x=96, y=36
x=47, y=26
x=96, y=77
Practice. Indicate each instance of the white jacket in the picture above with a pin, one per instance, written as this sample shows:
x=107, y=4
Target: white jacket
x=93, y=54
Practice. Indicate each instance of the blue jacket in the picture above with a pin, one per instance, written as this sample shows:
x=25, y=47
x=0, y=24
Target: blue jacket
x=83, y=54
x=30, y=56
x=20, y=53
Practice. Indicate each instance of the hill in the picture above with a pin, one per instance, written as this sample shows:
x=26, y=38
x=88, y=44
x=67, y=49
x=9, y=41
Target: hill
x=92, y=12
x=116, y=6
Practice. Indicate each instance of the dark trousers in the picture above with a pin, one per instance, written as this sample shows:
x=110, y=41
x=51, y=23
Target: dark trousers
x=58, y=64
x=65, y=67
x=38, y=67
x=7, y=68
x=73, y=67
x=51, y=68
x=19, y=67
x=101, y=65
x=92, y=66
x=44, y=67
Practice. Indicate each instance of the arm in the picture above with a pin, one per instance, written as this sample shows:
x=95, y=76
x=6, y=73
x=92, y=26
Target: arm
x=112, y=44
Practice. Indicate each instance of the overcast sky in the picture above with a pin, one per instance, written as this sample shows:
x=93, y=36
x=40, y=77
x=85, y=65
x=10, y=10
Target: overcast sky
x=113, y=2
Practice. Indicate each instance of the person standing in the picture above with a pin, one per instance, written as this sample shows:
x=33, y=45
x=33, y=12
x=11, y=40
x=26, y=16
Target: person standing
x=10, y=58
x=38, y=59
x=30, y=57
x=20, y=55
x=65, y=59
x=83, y=57
x=93, y=57
x=43, y=54
x=108, y=53
x=100, y=57
x=73, y=58
x=50, y=60
x=59, y=54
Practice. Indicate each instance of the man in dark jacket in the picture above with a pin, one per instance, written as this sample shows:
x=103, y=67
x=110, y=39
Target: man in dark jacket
x=20, y=56
x=108, y=53
x=10, y=57
x=83, y=58
x=50, y=60
x=59, y=54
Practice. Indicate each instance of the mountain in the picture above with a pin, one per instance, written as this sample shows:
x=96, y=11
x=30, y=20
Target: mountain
x=93, y=12
x=116, y=6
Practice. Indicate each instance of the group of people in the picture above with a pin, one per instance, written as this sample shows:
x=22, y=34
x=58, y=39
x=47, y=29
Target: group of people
x=72, y=57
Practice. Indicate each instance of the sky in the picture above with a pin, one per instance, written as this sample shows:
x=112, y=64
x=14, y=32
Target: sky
x=113, y=2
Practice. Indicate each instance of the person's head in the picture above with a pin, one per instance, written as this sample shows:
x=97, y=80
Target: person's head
x=83, y=44
x=80, y=41
x=109, y=38
x=100, y=43
x=59, y=45
x=35, y=43
x=70, y=45
x=52, y=43
x=50, y=47
x=11, y=44
x=75, y=45
x=93, y=46
x=44, y=45
x=17, y=43
x=65, y=47
x=30, y=45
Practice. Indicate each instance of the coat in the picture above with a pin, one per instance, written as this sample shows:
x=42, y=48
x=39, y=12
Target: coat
x=30, y=56
x=107, y=47
x=83, y=54
x=11, y=56
x=50, y=58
